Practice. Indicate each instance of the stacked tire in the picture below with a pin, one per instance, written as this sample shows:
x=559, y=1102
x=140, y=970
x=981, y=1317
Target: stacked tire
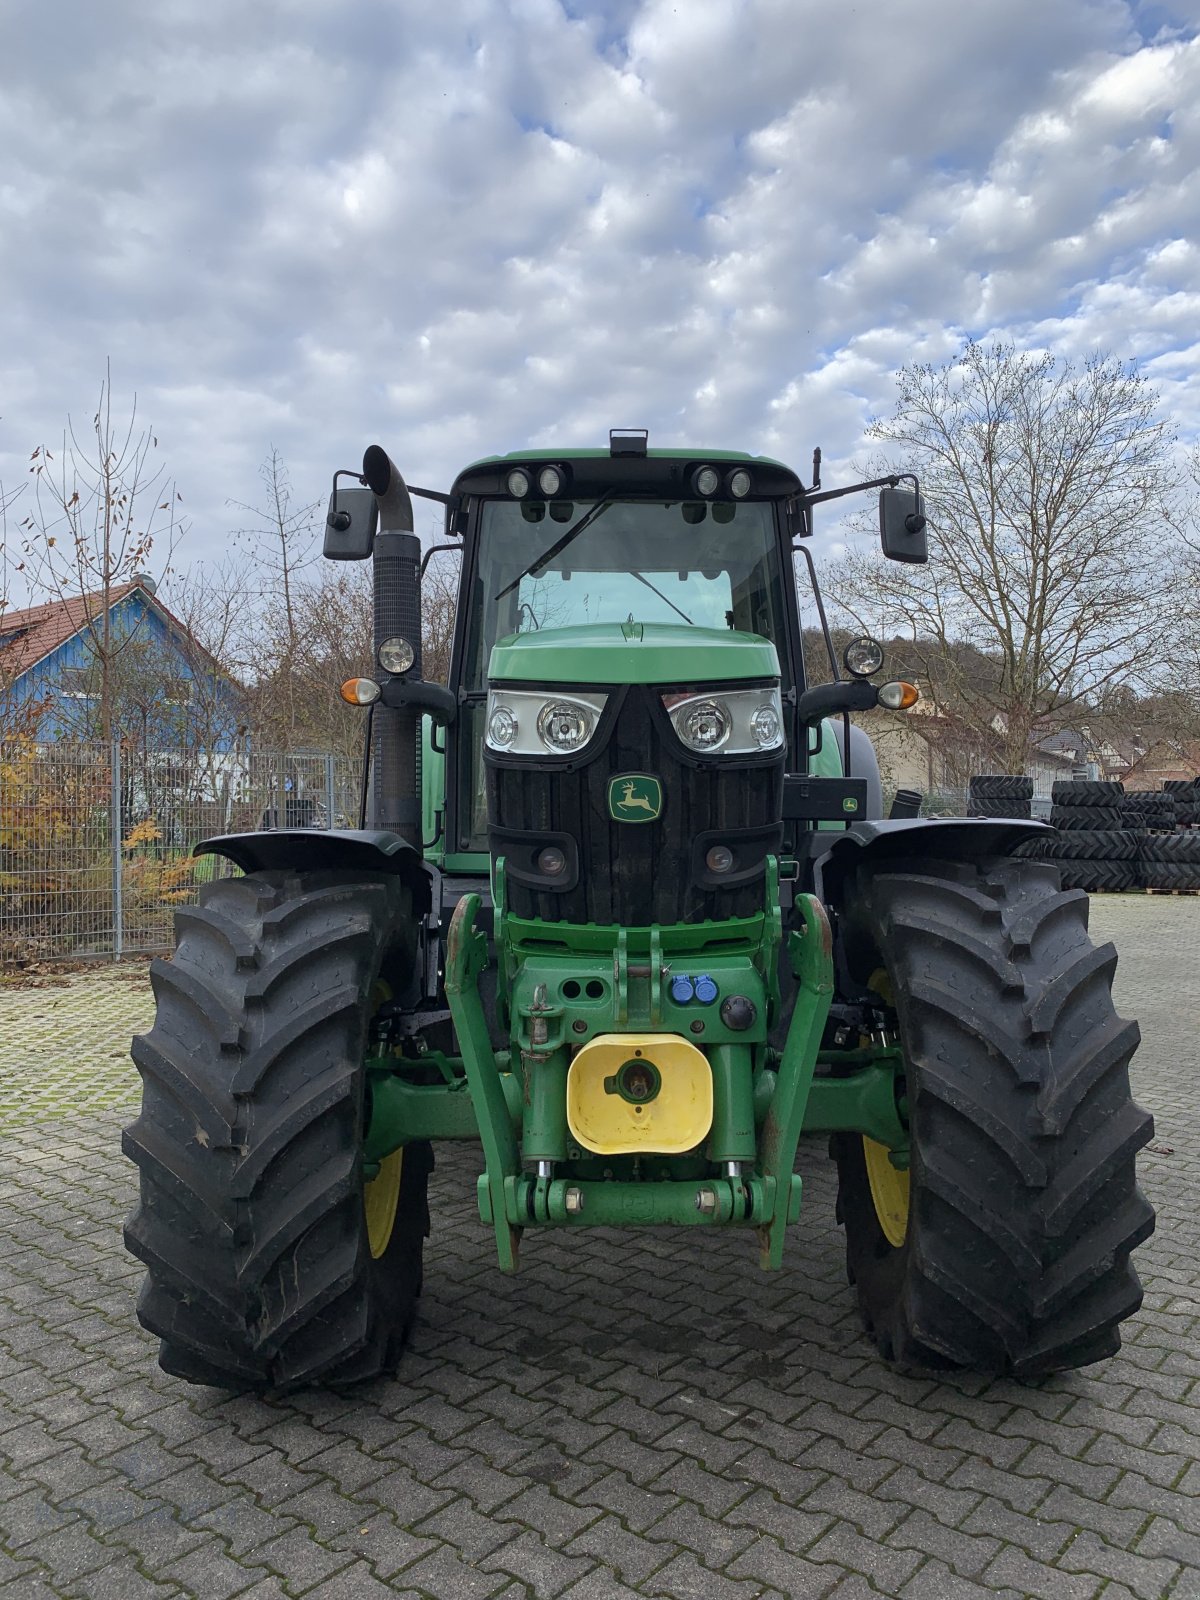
x=1000, y=795
x=1187, y=801
x=1170, y=839
x=1093, y=848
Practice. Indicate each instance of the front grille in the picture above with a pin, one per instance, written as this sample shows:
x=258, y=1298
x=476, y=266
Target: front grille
x=635, y=874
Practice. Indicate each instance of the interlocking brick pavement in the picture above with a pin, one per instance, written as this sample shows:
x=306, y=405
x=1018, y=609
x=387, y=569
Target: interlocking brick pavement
x=632, y=1415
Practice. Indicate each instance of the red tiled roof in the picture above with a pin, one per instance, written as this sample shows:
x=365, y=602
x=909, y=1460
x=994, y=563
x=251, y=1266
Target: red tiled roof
x=41, y=629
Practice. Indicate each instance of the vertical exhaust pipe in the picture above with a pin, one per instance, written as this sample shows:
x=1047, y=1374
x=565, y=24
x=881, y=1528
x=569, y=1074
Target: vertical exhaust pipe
x=396, y=571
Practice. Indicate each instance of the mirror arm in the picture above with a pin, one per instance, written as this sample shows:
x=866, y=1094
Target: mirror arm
x=417, y=695
x=828, y=699
x=434, y=548
x=892, y=481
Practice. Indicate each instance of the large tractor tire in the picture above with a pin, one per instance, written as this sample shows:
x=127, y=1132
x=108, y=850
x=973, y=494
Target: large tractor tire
x=271, y=1264
x=1004, y=1248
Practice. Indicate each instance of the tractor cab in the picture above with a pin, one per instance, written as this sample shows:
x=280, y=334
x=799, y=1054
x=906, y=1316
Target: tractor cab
x=595, y=572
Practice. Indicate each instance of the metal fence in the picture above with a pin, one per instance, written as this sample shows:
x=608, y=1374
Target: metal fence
x=95, y=841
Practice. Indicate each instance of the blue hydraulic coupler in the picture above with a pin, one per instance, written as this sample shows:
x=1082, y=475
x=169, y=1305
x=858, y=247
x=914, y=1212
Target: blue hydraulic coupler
x=706, y=989
x=682, y=989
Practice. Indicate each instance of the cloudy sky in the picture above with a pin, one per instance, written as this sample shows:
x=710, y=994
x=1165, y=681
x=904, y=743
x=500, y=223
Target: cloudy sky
x=486, y=224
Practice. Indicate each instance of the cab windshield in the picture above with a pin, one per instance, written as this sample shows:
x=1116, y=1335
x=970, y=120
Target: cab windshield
x=711, y=565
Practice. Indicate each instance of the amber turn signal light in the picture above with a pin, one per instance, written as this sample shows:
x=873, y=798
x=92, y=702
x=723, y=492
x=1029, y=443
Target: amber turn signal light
x=898, y=696
x=360, y=691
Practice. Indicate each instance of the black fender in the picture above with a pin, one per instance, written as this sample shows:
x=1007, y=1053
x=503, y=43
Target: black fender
x=953, y=838
x=323, y=850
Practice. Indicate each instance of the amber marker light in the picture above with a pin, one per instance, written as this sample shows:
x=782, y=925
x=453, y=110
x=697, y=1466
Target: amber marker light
x=360, y=691
x=898, y=696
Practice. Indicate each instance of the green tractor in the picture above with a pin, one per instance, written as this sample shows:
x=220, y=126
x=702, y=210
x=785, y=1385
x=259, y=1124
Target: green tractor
x=628, y=914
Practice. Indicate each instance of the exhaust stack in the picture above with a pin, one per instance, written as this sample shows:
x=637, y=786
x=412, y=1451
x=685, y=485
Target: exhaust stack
x=396, y=570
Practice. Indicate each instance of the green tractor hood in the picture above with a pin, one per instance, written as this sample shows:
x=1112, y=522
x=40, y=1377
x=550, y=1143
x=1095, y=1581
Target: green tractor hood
x=632, y=652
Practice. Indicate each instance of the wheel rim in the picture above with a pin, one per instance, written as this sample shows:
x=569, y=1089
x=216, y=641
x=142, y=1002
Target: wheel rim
x=381, y=1197
x=889, y=1191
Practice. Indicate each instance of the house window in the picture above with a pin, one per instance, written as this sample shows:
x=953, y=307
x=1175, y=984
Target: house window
x=75, y=683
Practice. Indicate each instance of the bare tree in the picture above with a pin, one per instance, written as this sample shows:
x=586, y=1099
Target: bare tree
x=295, y=701
x=19, y=714
x=98, y=513
x=1180, y=674
x=1047, y=490
x=279, y=544
x=439, y=604
x=280, y=540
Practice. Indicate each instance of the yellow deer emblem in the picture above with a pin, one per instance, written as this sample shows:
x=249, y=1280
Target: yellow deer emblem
x=638, y=793
x=635, y=802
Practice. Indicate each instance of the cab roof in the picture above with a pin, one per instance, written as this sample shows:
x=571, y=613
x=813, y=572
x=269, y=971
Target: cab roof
x=594, y=470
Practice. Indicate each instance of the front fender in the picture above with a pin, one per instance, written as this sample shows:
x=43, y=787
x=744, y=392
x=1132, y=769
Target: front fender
x=319, y=850
x=959, y=838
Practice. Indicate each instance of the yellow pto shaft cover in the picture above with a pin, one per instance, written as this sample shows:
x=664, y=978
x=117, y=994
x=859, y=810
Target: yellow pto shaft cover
x=629, y=1093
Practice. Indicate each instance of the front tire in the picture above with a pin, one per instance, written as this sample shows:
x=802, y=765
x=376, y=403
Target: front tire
x=1020, y=1206
x=270, y=1263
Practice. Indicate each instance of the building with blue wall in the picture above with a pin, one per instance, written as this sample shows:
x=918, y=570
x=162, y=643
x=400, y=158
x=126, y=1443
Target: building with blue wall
x=165, y=690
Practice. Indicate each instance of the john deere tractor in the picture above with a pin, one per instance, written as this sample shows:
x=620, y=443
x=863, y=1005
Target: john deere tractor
x=623, y=909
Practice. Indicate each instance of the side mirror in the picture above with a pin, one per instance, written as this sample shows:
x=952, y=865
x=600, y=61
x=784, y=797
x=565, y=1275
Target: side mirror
x=902, y=526
x=350, y=524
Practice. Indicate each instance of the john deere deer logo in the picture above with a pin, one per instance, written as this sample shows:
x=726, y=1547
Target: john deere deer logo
x=635, y=797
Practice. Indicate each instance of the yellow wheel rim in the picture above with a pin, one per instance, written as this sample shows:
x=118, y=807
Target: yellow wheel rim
x=380, y=1199
x=889, y=1191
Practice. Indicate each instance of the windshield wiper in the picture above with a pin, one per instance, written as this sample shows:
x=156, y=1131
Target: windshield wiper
x=547, y=556
x=662, y=596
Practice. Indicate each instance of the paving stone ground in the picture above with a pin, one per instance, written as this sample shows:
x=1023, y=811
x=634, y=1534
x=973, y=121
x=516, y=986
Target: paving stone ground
x=632, y=1415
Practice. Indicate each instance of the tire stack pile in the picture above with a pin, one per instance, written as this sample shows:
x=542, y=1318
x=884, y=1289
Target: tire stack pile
x=1096, y=847
x=999, y=795
x=1169, y=834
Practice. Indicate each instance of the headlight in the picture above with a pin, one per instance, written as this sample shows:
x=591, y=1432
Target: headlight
x=537, y=723
x=863, y=657
x=518, y=483
x=396, y=656
x=764, y=725
x=501, y=728
x=565, y=724
x=704, y=725
x=743, y=722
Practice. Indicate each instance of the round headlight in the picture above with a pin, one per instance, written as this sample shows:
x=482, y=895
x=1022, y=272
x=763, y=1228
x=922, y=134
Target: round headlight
x=738, y=483
x=551, y=861
x=563, y=725
x=396, y=655
x=518, y=483
x=550, y=481
x=764, y=725
x=502, y=727
x=862, y=657
x=704, y=726
x=719, y=859
x=706, y=481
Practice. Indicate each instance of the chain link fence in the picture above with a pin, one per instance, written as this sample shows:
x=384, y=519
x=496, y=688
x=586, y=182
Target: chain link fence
x=95, y=841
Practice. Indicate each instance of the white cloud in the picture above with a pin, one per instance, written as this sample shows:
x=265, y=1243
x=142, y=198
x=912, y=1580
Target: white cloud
x=465, y=229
